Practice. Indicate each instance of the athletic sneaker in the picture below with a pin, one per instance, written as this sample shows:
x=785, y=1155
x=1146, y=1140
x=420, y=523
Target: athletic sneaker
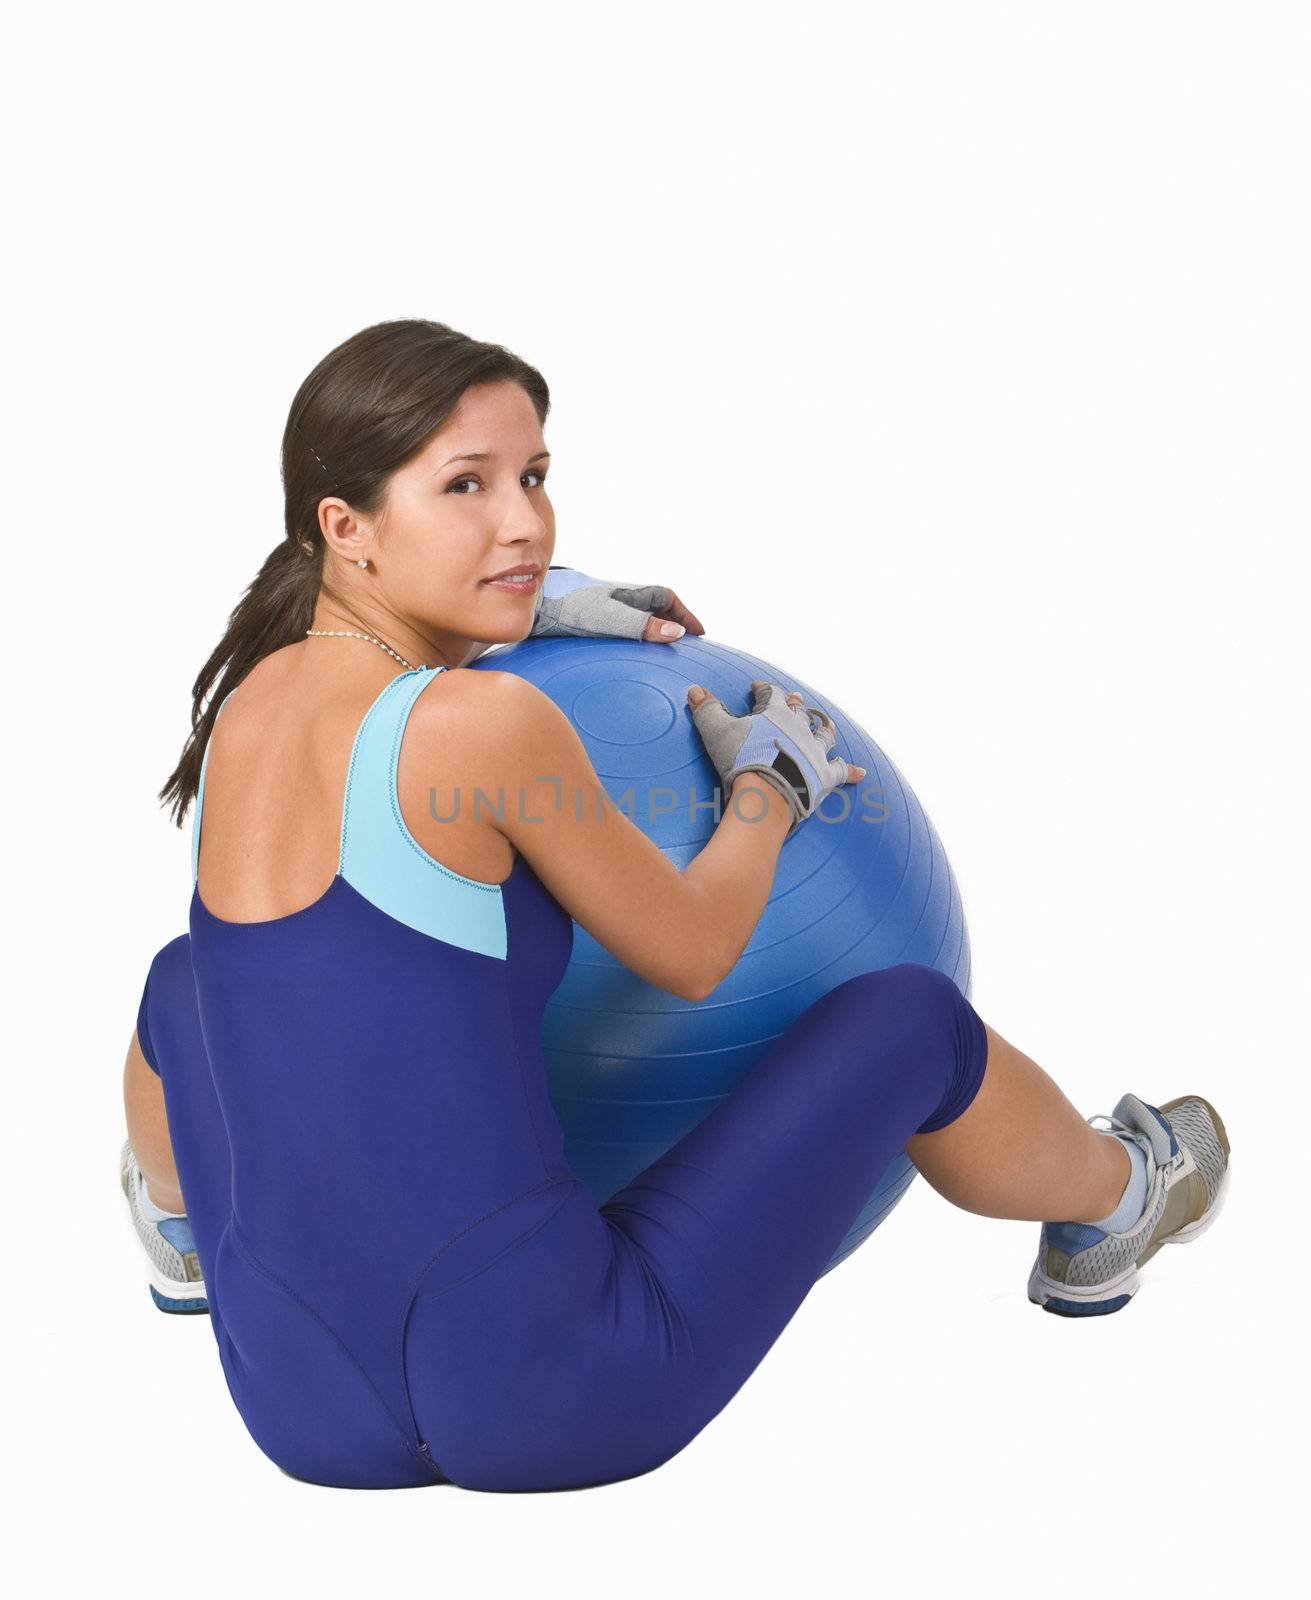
x=175, y=1280
x=1086, y=1271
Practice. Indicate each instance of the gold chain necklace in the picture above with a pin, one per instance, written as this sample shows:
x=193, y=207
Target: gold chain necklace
x=349, y=633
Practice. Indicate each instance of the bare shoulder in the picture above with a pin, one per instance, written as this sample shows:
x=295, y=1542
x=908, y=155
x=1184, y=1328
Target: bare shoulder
x=490, y=720
x=476, y=699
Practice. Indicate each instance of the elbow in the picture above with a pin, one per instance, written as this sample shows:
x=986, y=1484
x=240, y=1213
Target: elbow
x=702, y=984
x=705, y=953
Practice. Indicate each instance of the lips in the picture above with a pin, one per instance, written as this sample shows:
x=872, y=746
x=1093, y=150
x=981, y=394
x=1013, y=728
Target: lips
x=526, y=570
x=517, y=580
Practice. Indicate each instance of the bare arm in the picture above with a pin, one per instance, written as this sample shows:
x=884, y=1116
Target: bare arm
x=735, y=871
x=680, y=930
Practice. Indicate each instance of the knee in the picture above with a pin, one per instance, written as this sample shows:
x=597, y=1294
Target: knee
x=912, y=1001
x=911, y=985
x=171, y=958
x=932, y=1003
x=924, y=985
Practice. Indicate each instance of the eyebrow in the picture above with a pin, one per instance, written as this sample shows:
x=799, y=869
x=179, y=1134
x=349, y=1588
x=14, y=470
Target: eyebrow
x=475, y=455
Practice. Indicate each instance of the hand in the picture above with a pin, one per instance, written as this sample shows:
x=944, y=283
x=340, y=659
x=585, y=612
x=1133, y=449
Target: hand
x=573, y=605
x=783, y=739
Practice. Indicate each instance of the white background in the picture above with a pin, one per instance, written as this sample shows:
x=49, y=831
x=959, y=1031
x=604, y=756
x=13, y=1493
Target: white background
x=954, y=355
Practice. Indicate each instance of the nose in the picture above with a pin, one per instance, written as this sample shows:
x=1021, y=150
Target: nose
x=524, y=523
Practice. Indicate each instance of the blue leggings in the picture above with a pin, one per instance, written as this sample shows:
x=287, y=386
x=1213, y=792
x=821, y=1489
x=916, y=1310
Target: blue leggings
x=558, y=1344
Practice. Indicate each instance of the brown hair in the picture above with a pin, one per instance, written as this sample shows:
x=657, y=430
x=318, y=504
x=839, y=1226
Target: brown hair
x=365, y=410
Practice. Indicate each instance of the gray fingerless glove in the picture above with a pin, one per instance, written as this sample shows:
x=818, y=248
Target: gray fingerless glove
x=787, y=745
x=573, y=605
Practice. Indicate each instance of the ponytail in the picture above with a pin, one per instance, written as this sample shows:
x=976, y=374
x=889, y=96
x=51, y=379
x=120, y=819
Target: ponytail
x=274, y=611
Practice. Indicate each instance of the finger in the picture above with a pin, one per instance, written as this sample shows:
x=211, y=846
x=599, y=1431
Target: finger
x=645, y=596
x=762, y=692
x=711, y=715
x=654, y=632
x=676, y=611
x=825, y=728
x=798, y=703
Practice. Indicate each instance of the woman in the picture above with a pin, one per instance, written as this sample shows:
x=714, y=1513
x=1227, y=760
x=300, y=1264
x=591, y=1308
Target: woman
x=360, y=1172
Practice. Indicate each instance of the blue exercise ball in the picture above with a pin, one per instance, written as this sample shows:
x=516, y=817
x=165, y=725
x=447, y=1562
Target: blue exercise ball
x=862, y=885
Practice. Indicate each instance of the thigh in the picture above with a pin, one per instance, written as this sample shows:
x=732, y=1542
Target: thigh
x=607, y=1339
x=743, y=1215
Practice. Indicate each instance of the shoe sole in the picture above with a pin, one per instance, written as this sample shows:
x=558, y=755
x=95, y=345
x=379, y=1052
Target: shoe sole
x=179, y=1304
x=1114, y=1294
x=171, y=1295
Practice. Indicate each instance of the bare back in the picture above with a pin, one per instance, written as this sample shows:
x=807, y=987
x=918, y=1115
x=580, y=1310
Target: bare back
x=276, y=775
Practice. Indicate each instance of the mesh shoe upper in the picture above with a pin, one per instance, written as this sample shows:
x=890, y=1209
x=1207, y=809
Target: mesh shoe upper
x=1186, y=1161
x=169, y=1244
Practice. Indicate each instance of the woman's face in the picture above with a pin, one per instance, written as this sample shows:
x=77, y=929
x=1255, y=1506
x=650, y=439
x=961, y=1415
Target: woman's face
x=450, y=523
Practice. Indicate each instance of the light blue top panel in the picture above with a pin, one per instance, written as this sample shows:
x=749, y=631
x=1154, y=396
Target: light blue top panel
x=379, y=856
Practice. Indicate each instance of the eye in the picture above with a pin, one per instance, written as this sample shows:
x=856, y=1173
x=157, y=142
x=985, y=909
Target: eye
x=471, y=478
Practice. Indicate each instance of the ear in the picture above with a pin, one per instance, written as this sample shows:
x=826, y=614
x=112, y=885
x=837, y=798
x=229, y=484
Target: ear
x=342, y=533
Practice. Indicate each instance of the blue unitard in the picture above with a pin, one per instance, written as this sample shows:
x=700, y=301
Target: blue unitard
x=406, y=1281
